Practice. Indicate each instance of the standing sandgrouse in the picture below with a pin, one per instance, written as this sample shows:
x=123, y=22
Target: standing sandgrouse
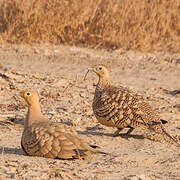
x=119, y=107
x=50, y=139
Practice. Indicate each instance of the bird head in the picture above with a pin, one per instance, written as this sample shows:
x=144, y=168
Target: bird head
x=101, y=70
x=31, y=97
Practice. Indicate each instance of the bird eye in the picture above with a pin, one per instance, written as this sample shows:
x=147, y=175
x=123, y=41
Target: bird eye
x=28, y=93
x=99, y=68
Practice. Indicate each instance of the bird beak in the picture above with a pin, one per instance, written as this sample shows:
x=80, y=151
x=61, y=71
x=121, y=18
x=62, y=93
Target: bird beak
x=21, y=94
x=89, y=69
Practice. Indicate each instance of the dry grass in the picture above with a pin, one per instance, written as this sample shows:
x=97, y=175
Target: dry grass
x=144, y=25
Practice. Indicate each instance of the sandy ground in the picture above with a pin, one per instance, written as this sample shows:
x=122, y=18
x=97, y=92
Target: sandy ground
x=50, y=69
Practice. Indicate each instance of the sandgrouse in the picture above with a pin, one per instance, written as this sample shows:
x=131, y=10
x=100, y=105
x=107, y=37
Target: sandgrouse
x=120, y=107
x=50, y=139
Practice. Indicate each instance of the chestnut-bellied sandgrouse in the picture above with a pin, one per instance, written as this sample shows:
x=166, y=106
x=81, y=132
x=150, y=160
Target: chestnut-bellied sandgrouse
x=120, y=107
x=50, y=139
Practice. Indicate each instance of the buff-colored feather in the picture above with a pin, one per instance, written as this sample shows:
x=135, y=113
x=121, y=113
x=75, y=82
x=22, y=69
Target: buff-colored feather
x=50, y=139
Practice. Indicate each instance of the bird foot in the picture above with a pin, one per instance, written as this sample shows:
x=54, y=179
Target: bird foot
x=116, y=133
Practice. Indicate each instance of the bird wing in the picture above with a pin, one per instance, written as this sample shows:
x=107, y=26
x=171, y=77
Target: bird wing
x=53, y=140
x=121, y=105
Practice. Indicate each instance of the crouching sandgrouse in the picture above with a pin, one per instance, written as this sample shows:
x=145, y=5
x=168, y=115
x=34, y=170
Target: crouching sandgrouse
x=50, y=139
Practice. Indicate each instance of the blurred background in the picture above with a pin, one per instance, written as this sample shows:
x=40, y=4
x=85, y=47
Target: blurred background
x=143, y=25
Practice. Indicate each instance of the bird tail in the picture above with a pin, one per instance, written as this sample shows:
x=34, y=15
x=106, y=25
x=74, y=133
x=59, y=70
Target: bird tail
x=158, y=133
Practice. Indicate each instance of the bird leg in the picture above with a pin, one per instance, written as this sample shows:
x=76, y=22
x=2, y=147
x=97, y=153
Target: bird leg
x=116, y=133
x=126, y=135
x=130, y=131
x=120, y=129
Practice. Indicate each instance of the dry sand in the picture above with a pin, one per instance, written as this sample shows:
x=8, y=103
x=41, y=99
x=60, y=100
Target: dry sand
x=49, y=69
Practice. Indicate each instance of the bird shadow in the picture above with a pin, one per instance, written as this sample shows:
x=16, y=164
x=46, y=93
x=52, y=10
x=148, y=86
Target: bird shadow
x=122, y=135
x=173, y=93
x=7, y=150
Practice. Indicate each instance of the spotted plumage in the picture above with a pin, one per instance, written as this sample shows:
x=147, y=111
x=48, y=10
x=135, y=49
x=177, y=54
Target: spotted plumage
x=120, y=107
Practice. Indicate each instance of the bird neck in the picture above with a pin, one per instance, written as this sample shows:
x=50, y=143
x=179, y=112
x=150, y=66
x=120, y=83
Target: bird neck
x=103, y=83
x=34, y=115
